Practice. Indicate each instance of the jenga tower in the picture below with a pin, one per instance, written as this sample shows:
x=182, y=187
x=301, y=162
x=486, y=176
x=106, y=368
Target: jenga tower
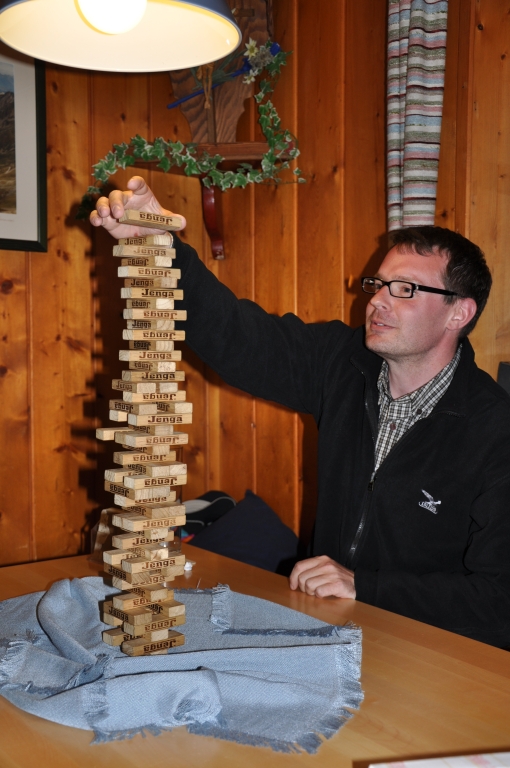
x=146, y=482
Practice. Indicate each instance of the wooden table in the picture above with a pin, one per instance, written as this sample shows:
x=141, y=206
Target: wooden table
x=427, y=692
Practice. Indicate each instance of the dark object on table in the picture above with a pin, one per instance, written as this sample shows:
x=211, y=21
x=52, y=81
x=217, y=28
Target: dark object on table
x=252, y=533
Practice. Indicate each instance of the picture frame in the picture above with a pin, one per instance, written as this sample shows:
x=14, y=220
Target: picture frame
x=23, y=193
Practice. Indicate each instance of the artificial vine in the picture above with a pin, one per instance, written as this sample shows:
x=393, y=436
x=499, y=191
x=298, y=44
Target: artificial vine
x=282, y=145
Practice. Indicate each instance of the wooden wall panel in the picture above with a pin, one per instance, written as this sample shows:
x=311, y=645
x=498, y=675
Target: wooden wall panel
x=474, y=183
x=60, y=330
x=15, y=476
x=489, y=178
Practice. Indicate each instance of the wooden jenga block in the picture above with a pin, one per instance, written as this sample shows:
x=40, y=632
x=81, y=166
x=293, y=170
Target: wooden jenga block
x=161, y=418
x=109, y=618
x=137, y=440
x=115, y=637
x=136, y=408
x=158, y=325
x=116, y=556
x=165, y=387
x=152, y=220
x=153, y=592
x=149, y=293
x=165, y=240
x=148, y=262
x=152, y=366
x=136, y=458
x=162, y=511
x=163, y=430
x=129, y=540
x=146, y=648
x=167, y=621
x=147, y=268
x=155, y=576
x=153, y=637
x=108, y=433
x=119, y=416
x=143, y=647
x=165, y=377
x=159, y=469
x=143, y=565
x=154, y=450
x=149, y=494
x=138, y=523
x=154, y=346
x=140, y=482
x=149, y=303
x=155, y=551
x=128, y=600
x=129, y=505
x=147, y=397
x=182, y=412
x=135, y=616
x=152, y=335
x=169, y=608
x=155, y=314
x=143, y=250
x=152, y=357
x=117, y=475
x=150, y=282
x=130, y=386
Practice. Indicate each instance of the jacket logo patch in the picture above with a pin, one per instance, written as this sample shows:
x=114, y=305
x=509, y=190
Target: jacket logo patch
x=430, y=504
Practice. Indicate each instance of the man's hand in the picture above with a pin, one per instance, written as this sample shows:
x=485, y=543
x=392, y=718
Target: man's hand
x=138, y=197
x=322, y=577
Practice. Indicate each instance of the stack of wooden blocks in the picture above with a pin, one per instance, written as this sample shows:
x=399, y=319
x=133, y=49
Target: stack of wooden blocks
x=145, y=484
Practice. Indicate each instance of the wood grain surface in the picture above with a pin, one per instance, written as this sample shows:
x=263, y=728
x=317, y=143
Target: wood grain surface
x=427, y=692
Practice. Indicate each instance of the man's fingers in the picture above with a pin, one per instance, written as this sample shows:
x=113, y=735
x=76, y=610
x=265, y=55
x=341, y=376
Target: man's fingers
x=118, y=200
x=138, y=197
x=138, y=186
x=304, y=566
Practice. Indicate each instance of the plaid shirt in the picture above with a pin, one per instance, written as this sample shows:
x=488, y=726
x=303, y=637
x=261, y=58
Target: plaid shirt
x=397, y=416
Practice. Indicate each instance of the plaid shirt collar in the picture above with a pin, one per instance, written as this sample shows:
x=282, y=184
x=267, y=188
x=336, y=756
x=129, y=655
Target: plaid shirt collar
x=397, y=416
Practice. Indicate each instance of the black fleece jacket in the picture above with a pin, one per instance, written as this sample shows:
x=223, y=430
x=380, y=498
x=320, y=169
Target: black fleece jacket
x=447, y=563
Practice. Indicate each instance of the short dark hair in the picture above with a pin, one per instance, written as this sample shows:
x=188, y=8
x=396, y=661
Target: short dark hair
x=466, y=272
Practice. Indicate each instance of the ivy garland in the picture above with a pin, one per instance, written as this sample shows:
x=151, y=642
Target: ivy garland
x=282, y=145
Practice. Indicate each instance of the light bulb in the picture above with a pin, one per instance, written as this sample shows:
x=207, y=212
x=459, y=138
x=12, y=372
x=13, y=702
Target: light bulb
x=113, y=16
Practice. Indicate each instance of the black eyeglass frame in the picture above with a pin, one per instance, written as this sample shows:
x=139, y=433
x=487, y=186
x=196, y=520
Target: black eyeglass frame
x=414, y=287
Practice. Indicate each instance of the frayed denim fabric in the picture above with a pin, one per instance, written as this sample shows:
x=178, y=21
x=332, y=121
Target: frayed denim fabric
x=250, y=671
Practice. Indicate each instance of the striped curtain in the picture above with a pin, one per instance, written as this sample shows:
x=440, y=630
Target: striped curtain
x=416, y=64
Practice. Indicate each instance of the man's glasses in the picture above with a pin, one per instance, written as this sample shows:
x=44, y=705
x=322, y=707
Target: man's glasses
x=400, y=289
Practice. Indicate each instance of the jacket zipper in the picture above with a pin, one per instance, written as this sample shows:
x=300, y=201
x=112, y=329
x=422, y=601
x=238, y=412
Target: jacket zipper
x=361, y=526
x=367, y=502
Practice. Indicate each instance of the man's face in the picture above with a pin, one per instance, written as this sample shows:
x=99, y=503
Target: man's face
x=409, y=329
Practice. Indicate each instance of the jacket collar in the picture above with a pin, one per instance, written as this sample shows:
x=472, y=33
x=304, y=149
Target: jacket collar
x=455, y=399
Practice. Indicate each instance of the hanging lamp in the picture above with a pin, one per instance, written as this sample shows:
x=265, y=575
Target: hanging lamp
x=120, y=35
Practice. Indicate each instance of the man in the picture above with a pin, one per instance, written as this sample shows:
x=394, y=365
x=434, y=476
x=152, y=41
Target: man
x=414, y=449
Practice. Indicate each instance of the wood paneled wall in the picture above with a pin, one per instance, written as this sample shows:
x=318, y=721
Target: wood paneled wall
x=299, y=249
x=474, y=167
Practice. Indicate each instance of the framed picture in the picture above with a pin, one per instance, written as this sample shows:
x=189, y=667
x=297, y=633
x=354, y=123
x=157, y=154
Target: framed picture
x=23, y=222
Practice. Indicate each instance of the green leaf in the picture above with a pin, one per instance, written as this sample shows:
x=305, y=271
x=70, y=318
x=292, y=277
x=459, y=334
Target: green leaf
x=165, y=164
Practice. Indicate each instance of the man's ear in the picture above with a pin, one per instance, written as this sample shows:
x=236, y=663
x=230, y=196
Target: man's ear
x=463, y=311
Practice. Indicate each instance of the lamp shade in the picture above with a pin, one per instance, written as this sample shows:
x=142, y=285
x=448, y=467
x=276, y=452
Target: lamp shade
x=172, y=34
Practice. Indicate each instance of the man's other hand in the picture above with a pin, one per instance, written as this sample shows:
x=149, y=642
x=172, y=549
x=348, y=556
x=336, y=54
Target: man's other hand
x=322, y=577
x=138, y=197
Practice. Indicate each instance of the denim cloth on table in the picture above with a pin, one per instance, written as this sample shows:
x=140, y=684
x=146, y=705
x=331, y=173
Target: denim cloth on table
x=250, y=671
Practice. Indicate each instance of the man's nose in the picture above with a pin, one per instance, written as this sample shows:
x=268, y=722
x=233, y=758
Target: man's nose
x=382, y=298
